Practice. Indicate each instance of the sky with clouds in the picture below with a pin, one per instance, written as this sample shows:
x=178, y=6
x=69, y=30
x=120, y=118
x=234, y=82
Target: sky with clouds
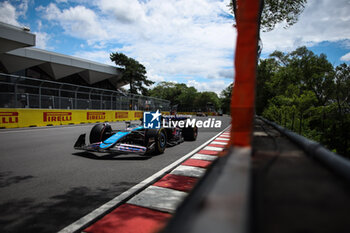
x=184, y=41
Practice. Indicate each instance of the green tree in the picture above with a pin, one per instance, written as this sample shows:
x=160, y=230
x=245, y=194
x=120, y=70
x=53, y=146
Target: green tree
x=187, y=97
x=225, y=98
x=277, y=11
x=266, y=70
x=133, y=73
x=315, y=72
x=165, y=90
x=206, y=100
x=177, y=93
x=305, y=93
x=342, y=102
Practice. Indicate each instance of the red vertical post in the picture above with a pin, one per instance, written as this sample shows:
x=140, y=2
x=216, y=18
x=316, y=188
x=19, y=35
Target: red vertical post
x=243, y=96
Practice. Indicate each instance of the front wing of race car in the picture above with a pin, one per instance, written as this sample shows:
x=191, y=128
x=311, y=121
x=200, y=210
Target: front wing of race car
x=102, y=147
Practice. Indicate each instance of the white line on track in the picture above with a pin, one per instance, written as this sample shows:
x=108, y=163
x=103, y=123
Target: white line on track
x=87, y=219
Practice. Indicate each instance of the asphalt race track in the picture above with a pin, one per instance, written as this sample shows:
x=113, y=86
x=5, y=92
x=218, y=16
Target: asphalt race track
x=46, y=185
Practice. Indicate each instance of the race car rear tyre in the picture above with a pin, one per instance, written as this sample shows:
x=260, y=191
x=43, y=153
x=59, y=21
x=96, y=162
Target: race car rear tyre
x=190, y=134
x=100, y=132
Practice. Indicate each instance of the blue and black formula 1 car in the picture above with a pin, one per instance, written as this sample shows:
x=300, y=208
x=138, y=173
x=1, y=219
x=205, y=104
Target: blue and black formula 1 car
x=136, y=138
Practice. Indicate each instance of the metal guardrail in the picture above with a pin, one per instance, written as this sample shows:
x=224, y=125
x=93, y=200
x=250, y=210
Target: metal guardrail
x=24, y=92
x=335, y=162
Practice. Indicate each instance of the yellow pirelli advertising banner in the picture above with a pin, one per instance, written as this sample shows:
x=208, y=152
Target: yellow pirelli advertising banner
x=21, y=117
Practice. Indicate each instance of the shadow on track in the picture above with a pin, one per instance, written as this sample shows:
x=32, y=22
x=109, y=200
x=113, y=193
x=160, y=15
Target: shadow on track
x=6, y=179
x=57, y=212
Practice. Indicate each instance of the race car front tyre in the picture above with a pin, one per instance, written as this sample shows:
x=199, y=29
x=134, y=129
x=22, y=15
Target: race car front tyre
x=100, y=132
x=160, y=140
x=190, y=134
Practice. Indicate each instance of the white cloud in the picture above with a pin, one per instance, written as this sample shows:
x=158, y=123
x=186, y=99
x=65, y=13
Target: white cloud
x=322, y=20
x=125, y=11
x=168, y=37
x=155, y=78
x=78, y=21
x=8, y=13
x=226, y=73
x=101, y=56
x=214, y=85
x=42, y=39
x=22, y=8
x=346, y=57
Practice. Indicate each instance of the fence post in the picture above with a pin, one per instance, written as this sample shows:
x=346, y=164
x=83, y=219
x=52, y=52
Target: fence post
x=285, y=119
x=101, y=100
x=53, y=101
x=293, y=116
x=27, y=101
x=40, y=86
x=300, y=122
x=112, y=100
x=90, y=99
x=16, y=93
x=59, y=97
x=76, y=98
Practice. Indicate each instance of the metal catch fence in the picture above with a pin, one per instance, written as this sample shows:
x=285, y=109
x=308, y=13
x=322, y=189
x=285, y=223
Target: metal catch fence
x=24, y=92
